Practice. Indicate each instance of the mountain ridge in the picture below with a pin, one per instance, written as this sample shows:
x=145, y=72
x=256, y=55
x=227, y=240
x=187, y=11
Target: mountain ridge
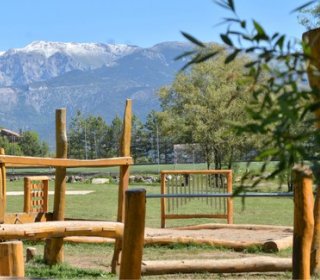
x=91, y=77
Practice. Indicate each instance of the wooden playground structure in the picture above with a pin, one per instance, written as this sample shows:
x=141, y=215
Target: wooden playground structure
x=129, y=227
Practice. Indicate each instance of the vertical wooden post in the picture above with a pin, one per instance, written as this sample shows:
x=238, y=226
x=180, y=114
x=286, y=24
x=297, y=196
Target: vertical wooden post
x=229, y=199
x=124, y=177
x=133, y=235
x=54, y=247
x=3, y=189
x=303, y=223
x=312, y=38
x=27, y=195
x=11, y=259
x=163, y=200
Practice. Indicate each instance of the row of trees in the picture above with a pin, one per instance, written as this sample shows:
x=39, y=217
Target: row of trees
x=91, y=137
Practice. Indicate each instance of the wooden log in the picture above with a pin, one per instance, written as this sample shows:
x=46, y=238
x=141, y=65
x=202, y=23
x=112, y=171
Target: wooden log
x=11, y=259
x=236, y=245
x=60, y=229
x=88, y=239
x=53, y=252
x=21, y=161
x=124, y=178
x=278, y=244
x=236, y=226
x=312, y=38
x=229, y=199
x=133, y=234
x=242, y=265
x=303, y=222
x=3, y=188
x=31, y=253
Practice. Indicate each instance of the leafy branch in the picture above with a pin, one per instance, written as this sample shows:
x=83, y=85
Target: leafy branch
x=283, y=105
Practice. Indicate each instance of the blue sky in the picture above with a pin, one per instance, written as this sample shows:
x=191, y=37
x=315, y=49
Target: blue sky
x=138, y=22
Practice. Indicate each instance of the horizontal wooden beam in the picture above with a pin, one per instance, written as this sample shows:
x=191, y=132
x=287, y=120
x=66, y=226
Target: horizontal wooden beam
x=61, y=229
x=191, y=216
x=18, y=161
x=185, y=172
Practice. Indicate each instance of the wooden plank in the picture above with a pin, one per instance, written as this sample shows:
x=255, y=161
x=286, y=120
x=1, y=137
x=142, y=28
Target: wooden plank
x=37, y=178
x=12, y=161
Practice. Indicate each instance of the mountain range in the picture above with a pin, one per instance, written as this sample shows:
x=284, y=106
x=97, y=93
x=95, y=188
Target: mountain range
x=94, y=78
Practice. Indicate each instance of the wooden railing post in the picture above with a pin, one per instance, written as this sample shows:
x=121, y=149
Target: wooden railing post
x=3, y=187
x=303, y=223
x=54, y=247
x=124, y=177
x=163, y=200
x=229, y=199
x=27, y=195
x=11, y=259
x=312, y=38
x=133, y=235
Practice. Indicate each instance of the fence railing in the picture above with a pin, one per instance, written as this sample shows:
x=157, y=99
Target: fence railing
x=184, y=204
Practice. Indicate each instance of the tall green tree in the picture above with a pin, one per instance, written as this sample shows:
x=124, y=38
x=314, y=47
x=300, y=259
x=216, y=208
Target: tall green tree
x=111, y=139
x=31, y=145
x=139, y=142
x=197, y=107
x=280, y=101
x=10, y=148
x=86, y=136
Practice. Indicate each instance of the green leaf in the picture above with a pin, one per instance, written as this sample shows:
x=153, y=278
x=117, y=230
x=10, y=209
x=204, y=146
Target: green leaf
x=280, y=42
x=231, y=5
x=259, y=29
x=298, y=9
x=193, y=39
x=185, y=54
x=226, y=40
x=232, y=56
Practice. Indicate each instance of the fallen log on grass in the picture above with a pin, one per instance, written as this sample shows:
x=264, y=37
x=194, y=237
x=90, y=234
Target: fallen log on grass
x=242, y=265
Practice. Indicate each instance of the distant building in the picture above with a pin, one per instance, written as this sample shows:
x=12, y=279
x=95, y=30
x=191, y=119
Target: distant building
x=10, y=135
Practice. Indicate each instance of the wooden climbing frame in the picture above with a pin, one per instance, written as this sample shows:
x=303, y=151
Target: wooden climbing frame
x=54, y=246
x=36, y=194
x=196, y=182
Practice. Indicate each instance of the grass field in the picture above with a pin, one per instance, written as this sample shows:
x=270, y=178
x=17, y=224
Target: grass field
x=92, y=260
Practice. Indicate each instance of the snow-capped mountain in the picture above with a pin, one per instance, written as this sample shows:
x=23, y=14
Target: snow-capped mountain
x=43, y=60
x=94, y=78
